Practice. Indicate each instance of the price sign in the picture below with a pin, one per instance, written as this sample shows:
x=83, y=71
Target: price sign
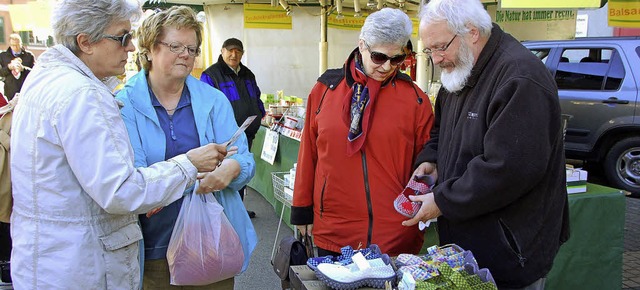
x=270, y=146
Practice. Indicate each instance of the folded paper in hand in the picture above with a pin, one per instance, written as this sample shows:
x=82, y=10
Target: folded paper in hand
x=240, y=130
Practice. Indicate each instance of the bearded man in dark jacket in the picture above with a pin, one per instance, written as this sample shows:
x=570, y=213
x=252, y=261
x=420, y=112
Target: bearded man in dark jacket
x=238, y=83
x=496, y=148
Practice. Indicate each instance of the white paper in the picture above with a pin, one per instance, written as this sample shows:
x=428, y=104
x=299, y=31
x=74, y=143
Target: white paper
x=240, y=130
x=422, y=225
x=270, y=146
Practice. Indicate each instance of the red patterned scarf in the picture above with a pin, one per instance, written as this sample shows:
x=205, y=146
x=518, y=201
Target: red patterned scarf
x=357, y=108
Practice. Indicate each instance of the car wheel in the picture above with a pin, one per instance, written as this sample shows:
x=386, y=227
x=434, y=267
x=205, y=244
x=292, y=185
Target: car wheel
x=622, y=165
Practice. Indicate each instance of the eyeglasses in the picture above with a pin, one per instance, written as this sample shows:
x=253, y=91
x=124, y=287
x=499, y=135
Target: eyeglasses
x=179, y=48
x=123, y=39
x=441, y=50
x=381, y=58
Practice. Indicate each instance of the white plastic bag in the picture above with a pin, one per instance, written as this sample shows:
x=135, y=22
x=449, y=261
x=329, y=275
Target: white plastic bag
x=204, y=248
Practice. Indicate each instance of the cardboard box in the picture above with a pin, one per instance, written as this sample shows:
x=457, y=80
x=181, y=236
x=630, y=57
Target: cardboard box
x=576, y=180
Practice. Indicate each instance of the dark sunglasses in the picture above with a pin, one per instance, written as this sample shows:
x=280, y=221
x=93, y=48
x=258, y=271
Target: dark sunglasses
x=381, y=58
x=123, y=39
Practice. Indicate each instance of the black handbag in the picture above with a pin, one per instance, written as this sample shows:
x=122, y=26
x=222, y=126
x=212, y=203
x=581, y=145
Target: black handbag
x=291, y=252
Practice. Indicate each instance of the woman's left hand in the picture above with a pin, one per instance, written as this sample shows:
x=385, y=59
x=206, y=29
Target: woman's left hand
x=219, y=178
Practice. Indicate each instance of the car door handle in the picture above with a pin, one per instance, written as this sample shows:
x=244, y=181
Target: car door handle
x=614, y=100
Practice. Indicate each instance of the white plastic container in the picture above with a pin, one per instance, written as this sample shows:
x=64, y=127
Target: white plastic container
x=292, y=174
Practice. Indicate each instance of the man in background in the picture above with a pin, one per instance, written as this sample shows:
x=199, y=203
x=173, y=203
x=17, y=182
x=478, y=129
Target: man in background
x=15, y=64
x=238, y=83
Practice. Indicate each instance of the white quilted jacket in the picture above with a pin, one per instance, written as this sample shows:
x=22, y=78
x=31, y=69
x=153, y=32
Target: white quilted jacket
x=76, y=192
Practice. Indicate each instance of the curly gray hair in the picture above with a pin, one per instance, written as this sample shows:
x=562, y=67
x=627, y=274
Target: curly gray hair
x=387, y=25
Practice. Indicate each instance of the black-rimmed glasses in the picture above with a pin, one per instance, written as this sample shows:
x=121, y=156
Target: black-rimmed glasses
x=179, y=48
x=381, y=58
x=440, y=50
x=123, y=39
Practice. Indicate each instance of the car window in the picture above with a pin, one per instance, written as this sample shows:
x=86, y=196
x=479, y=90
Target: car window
x=542, y=54
x=615, y=74
x=590, y=69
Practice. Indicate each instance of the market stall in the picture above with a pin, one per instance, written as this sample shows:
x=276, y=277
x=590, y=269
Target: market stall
x=591, y=259
x=286, y=156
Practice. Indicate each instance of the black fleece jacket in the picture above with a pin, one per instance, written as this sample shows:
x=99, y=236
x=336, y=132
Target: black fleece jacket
x=241, y=90
x=498, y=147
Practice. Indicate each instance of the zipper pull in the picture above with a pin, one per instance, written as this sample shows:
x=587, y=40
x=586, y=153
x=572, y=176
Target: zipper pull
x=173, y=134
x=521, y=260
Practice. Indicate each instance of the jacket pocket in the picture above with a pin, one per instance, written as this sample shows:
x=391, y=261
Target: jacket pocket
x=324, y=184
x=121, y=257
x=512, y=243
x=122, y=237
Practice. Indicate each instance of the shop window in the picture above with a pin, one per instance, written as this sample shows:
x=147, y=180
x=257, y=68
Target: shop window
x=27, y=37
x=2, y=35
x=590, y=69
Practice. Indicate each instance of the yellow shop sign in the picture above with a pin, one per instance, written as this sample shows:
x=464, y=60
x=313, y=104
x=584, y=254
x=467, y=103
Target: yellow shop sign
x=624, y=13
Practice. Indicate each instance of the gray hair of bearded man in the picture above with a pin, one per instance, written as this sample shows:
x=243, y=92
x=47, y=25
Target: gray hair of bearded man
x=458, y=14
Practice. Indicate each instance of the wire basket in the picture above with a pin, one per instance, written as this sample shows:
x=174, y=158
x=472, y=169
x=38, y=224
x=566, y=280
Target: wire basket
x=279, y=187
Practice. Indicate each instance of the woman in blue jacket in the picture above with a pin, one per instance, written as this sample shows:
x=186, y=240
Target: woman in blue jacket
x=167, y=112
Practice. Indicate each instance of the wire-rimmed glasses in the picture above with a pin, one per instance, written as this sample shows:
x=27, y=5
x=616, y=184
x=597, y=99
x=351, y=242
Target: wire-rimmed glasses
x=179, y=48
x=440, y=50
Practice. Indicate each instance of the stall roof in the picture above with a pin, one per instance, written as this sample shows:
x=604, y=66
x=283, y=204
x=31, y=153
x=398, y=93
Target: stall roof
x=414, y=5
x=410, y=5
x=547, y=4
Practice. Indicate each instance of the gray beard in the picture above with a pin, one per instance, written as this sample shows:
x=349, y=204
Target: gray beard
x=455, y=80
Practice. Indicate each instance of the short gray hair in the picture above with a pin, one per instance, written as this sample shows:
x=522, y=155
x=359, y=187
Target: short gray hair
x=387, y=25
x=73, y=17
x=457, y=14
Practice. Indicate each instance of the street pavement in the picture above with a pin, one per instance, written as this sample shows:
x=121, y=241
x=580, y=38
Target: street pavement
x=260, y=274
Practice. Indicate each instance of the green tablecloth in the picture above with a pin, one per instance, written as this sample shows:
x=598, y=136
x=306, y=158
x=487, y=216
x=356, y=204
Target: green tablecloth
x=591, y=259
x=285, y=158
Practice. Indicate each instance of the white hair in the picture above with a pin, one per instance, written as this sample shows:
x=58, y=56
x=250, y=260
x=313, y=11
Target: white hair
x=457, y=14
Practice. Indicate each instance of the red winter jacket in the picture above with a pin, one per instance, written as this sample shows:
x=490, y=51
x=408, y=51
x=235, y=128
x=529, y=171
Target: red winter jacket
x=349, y=200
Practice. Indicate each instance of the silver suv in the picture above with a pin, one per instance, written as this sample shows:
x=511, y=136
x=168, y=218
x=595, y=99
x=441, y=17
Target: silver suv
x=598, y=81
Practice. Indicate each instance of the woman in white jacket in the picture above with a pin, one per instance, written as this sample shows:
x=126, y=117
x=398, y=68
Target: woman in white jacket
x=76, y=190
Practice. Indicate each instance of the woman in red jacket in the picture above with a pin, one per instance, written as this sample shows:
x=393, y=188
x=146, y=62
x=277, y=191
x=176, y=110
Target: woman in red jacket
x=364, y=127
